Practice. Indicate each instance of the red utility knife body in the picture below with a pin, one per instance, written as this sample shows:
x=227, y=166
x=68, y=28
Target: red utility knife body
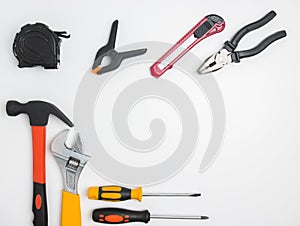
x=208, y=26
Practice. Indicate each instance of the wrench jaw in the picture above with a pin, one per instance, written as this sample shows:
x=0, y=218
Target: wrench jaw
x=70, y=160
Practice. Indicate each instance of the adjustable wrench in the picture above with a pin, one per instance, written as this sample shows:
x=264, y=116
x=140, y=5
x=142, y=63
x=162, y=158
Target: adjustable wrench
x=71, y=161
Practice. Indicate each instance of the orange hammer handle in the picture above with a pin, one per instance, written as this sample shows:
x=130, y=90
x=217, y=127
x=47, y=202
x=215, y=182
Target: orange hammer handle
x=39, y=204
x=39, y=152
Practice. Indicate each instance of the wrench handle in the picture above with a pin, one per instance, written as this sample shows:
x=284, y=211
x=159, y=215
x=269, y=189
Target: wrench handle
x=70, y=209
x=39, y=204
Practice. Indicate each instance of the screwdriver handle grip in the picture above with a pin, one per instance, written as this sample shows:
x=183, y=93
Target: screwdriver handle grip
x=115, y=193
x=120, y=216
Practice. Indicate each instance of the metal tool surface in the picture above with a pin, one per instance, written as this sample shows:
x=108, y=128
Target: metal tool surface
x=228, y=55
x=71, y=161
x=117, y=193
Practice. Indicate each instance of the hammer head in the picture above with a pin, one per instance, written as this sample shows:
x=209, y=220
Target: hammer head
x=37, y=111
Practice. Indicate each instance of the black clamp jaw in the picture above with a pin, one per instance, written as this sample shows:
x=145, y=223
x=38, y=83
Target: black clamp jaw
x=109, y=51
x=37, y=45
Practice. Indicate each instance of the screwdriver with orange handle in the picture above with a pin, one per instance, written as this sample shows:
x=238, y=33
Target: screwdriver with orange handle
x=118, y=193
x=121, y=216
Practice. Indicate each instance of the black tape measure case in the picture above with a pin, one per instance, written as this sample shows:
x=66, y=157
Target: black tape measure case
x=37, y=45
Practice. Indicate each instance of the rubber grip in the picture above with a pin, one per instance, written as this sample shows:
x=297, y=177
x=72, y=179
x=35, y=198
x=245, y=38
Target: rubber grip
x=114, y=193
x=70, y=209
x=39, y=205
x=250, y=27
x=120, y=216
x=260, y=47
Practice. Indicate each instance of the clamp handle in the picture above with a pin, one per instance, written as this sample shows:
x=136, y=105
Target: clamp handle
x=109, y=46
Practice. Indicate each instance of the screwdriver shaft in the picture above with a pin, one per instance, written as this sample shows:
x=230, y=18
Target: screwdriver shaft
x=122, y=216
x=173, y=194
x=172, y=217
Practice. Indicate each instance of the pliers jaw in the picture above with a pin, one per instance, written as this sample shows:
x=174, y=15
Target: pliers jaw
x=216, y=62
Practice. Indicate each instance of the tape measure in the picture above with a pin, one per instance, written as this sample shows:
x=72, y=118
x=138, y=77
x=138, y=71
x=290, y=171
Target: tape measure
x=37, y=45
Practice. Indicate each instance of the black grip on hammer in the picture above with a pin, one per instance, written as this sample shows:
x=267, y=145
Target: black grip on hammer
x=39, y=205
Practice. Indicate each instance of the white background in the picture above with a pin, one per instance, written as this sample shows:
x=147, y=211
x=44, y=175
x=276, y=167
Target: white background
x=255, y=179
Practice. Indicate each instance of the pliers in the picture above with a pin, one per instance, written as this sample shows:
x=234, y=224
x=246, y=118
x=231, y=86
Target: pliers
x=228, y=54
x=108, y=50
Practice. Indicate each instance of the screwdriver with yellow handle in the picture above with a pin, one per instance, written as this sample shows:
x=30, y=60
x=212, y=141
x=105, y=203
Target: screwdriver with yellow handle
x=118, y=193
x=122, y=216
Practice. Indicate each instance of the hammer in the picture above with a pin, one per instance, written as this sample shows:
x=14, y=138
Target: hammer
x=38, y=113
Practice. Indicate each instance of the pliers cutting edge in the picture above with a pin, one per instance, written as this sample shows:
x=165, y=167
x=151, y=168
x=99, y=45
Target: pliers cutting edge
x=109, y=51
x=228, y=54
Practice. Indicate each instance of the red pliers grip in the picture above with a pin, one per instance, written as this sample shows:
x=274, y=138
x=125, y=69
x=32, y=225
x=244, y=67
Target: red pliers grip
x=206, y=27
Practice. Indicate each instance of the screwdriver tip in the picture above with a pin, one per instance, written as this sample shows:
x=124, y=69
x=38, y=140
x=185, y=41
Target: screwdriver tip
x=195, y=195
x=204, y=217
